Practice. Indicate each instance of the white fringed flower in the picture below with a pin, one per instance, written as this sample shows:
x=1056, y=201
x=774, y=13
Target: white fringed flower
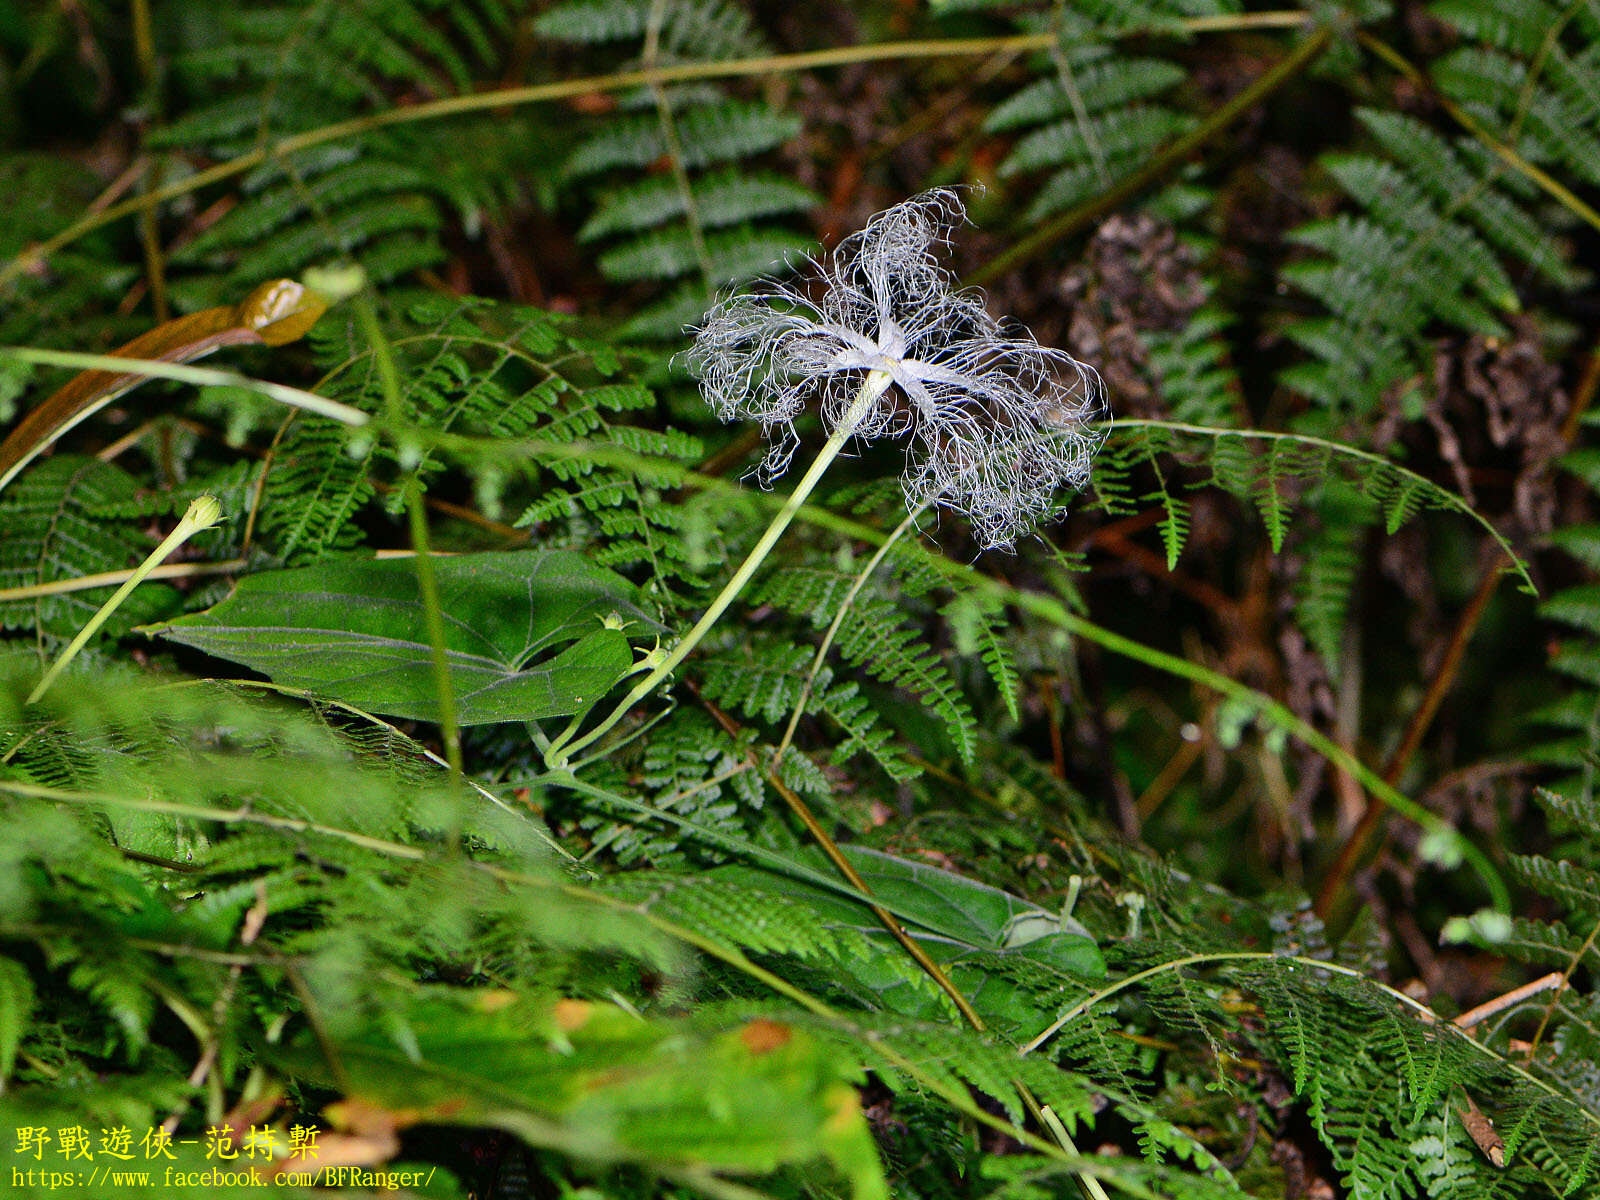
x=998, y=424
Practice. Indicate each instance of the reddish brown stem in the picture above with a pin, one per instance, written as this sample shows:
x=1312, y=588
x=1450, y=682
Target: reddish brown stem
x=1356, y=845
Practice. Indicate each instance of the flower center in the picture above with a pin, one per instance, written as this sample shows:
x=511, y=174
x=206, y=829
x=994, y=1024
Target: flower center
x=891, y=341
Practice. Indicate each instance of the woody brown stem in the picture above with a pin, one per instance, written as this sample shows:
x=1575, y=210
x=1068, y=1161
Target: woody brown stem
x=1356, y=846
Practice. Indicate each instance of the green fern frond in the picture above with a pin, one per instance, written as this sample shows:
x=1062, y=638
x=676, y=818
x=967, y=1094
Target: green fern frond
x=728, y=904
x=1432, y=163
x=730, y=196
x=121, y=991
x=978, y=623
x=1297, y=472
x=709, y=219
x=73, y=302
x=69, y=517
x=1577, y=888
x=1557, y=113
x=1092, y=114
x=1331, y=562
x=1444, y=228
x=763, y=680
x=1377, y=1079
x=1174, y=522
x=517, y=387
x=874, y=637
x=847, y=704
x=1190, y=363
x=1570, y=797
x=380, y=198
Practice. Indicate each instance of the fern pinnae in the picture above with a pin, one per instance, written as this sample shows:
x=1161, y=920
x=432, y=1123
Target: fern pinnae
x=982, y=622
x=874, y=636
x=1174, y=523
x=1329, y=570
x=1054, y=612
x=1092, y=115
x=920, y=971
x=1437, y=207
x=1080, y=113
x=367, y=197
x=1270, y=501
x=511, y=833
x=710, y=220
x=1389, y=478
x=62, y=521
x=1568, y=941
x=389, y=887
x=487, y=378
x=1439, y=168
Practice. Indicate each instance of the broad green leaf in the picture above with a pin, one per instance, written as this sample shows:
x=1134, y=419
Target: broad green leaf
x=528, y=633
x=964, y=925
x=607, y=1085
x=952, y=904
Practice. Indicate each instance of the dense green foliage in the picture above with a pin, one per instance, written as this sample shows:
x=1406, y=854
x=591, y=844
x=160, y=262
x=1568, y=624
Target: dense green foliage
x=1156, y=859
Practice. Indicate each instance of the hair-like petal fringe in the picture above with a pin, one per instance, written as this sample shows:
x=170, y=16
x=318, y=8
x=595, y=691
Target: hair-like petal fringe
x=998, y=424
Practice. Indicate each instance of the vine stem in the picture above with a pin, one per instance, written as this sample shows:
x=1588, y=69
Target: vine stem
x=150, y=368
x=561, y=750
x=144, y=52
x=620, y=81
x=85, y=583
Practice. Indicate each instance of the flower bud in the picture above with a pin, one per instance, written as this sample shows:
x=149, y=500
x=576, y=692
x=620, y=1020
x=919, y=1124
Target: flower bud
x=203, y=513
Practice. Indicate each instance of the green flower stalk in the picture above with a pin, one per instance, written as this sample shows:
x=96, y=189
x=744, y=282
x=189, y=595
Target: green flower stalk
x=998, y=424
x=203, y=513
